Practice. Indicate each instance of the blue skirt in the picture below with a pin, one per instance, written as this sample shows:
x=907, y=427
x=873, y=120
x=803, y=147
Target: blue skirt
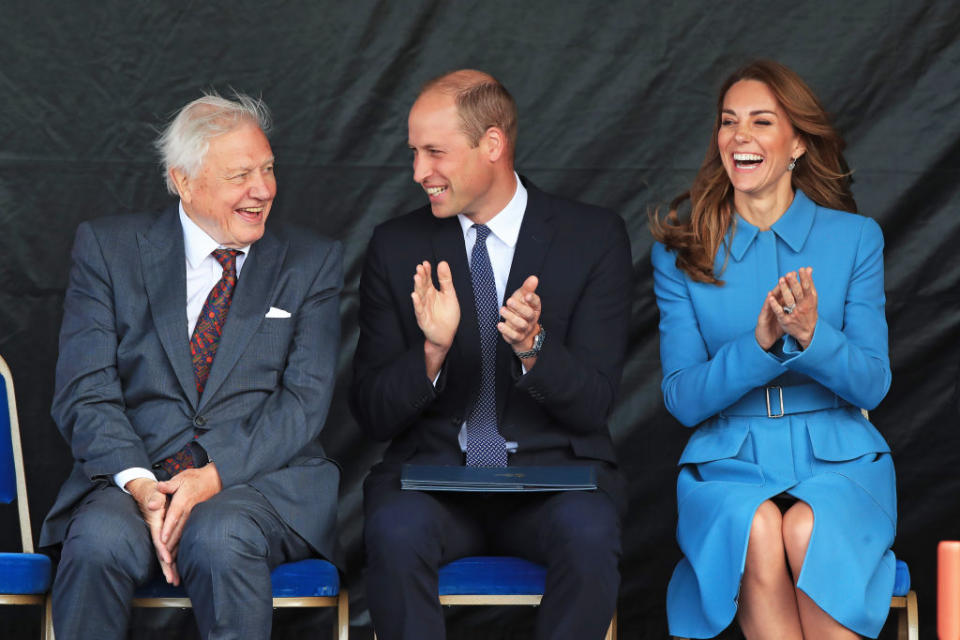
x=849, y=567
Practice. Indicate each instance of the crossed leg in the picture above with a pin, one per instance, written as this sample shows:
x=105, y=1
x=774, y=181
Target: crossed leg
x=771, y=606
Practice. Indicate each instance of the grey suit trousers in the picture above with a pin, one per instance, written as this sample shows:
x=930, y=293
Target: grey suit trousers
x=229, y=545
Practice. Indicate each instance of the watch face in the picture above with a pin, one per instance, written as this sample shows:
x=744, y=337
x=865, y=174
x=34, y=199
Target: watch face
x=535, y=349
x=538, y=341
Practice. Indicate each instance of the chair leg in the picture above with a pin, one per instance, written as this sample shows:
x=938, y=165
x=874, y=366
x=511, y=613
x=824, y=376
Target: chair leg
x=612, y=629
x=47, y=632
x=913, y=617
x=341, y=629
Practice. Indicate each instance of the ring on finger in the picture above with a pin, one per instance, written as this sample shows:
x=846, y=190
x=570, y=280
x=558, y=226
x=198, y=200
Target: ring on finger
x=789, y=308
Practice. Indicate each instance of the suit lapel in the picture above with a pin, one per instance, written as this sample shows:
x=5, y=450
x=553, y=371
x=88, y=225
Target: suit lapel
x=163, y=269
x=528, y=256
x=251, y=300
x=448, y=245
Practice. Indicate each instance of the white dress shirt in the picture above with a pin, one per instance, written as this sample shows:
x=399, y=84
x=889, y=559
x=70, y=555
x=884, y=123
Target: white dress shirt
x=203, y=272
x=501, y=243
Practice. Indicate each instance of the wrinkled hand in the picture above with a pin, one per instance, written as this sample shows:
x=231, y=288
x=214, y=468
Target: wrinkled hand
x=521, y=318
x=153, y=506
x=187, y=489
x=797, y=290
x=437, y=311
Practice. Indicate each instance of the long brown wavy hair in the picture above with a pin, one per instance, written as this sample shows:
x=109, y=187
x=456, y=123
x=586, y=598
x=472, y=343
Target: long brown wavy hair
x=821, y=173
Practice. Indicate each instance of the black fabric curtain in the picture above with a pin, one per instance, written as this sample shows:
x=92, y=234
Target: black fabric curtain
x=616, y=104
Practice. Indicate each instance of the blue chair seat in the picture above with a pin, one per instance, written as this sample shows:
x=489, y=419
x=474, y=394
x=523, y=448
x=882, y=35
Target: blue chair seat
x=901, y=583
x=492, y=575
x=24, y=573
x=305, y=578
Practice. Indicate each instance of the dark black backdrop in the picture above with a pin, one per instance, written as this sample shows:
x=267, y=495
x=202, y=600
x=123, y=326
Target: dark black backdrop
x=616, y=106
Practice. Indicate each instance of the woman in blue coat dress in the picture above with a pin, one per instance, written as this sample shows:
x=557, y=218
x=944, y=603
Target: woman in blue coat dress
x=772, y=338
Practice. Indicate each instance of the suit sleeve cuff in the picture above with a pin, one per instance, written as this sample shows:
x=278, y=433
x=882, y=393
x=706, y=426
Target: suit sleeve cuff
x=122, y=478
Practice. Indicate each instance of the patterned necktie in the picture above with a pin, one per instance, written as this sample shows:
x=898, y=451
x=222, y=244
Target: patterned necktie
x=203, y=346
x=206, y=334
x=485, y=446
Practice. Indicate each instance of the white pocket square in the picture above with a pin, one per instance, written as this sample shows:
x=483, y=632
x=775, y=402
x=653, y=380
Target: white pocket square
x=277, y=313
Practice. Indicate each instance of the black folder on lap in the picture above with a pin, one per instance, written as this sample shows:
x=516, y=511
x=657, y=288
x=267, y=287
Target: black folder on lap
x=497, y=479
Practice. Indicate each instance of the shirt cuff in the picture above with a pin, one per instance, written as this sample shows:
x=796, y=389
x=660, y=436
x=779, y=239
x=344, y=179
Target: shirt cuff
x=121, y=479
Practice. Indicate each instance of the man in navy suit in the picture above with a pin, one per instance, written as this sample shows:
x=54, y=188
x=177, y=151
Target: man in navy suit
x=507, y=351
x=196, y=367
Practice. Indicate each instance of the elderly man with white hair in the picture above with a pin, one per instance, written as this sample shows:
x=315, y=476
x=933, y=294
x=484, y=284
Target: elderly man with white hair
x=196, y=367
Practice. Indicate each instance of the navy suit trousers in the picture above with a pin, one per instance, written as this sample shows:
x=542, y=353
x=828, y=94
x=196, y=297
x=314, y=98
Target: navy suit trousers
x=410, y=534
x=229, y=545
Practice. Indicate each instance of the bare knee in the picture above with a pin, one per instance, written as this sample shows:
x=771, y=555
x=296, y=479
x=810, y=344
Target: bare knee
x=765, y=530
x=797, y=528
x=765, y=561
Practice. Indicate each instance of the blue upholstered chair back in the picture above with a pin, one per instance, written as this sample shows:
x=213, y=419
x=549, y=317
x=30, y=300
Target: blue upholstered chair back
x=8, y=476
x=13, y=483
x=24, y=577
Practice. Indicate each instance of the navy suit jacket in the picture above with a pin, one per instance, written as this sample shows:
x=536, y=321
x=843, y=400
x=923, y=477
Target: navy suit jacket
x=125, y=392
x=557, y=412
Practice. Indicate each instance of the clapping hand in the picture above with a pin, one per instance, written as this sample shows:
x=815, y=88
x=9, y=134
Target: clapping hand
x=521, y=318
x=438, y=313
x=794, y=303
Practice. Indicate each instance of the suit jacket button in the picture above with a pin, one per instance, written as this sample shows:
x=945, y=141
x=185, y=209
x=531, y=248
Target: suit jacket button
x=199, y=421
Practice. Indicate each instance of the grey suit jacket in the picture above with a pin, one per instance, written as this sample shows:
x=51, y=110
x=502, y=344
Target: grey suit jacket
x=125, y=394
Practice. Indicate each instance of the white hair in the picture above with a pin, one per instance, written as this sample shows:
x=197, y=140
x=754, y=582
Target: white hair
x=185, y=141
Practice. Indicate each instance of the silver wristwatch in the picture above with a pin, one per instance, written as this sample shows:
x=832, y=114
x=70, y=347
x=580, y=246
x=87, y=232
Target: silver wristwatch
x=537, y=345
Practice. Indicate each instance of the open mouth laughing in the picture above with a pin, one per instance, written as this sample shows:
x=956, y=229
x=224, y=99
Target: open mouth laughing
x=251, y=214
x=747, y=161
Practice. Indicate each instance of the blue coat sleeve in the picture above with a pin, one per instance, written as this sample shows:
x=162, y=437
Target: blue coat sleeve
x=696, y=386
x=851, y=360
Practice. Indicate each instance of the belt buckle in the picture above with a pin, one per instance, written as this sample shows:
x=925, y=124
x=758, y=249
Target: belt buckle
x=779, y=391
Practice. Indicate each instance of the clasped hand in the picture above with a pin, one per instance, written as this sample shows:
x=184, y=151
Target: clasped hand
x=165, y=507
x=789, y=308
x=438, y=315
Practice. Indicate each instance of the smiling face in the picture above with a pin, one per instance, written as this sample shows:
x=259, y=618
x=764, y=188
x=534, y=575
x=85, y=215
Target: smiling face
x=231, y=195
x=457, y=176
x=756, y=141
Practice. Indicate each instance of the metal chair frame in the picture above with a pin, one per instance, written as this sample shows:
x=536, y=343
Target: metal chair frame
x=529, y=599
x=23, y=508
x=341, y=625
x=908, y=617
x=519, y=599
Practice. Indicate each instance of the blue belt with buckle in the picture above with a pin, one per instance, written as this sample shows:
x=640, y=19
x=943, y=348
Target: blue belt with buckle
x=776, y=402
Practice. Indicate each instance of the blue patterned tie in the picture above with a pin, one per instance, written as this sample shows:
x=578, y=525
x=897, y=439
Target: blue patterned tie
x=485, y=446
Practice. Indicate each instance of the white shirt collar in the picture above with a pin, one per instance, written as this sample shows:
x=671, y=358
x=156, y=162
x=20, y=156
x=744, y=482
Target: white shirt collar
x=505, y=225
x=197, y=245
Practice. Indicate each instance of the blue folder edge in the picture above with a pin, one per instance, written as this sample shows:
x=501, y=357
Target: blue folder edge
x=417, y=477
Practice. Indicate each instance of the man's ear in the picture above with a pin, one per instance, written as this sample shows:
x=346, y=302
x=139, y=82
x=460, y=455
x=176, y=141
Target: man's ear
x=182, y=182
x=495, y=143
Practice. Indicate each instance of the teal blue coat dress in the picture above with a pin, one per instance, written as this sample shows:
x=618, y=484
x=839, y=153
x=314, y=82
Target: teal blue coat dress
x=787, y=420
